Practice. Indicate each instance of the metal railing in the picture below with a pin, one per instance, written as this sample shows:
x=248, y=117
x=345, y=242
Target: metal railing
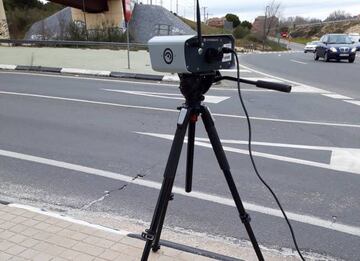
x=77, y=44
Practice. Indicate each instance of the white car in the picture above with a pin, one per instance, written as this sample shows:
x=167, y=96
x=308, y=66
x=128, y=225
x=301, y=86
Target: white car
x=355, y=37
x=311, y=46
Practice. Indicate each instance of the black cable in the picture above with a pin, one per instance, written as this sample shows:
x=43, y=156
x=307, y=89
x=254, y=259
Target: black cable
x=252, y=158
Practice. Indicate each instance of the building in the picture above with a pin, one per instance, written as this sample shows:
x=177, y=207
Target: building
x=258, y=24
x=92, y=14
x=97, y=12
x=216, y=22
x=4, y=30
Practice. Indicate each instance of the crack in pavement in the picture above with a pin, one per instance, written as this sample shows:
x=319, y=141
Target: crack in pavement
x=107, y=193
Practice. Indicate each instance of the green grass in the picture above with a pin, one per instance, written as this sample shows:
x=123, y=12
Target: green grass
x=301, y=40
x=205, y=29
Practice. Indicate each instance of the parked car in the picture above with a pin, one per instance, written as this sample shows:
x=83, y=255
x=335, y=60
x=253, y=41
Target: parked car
x=355, y=37
x=335, y=47
x=284, y=34
x=311, y=46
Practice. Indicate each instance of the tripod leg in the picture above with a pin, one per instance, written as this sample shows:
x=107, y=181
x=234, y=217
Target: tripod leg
x=166, y=187
x=224, y=165
x=190, y=153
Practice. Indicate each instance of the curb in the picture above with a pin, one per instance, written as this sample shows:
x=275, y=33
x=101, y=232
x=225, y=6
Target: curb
x=76, y=71
x=165, y=243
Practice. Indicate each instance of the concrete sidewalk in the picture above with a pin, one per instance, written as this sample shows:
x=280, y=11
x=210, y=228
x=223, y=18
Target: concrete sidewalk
x=27, y=234
x=89, y=59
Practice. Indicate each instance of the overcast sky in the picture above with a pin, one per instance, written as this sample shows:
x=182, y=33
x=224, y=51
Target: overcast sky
x=249, y=9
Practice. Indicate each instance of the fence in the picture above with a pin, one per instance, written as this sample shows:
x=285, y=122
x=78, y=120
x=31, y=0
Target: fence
x=77, y=44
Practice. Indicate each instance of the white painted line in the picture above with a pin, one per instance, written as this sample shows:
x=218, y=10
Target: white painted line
x=88, y=101
x=306, y=89
x=354, y=102
x=171, y=96
x=262, y=79
x=69, y=219
x=89, y=79
x=84, y=71
x=338, y=162
x=160, y=84
x=295, y=61
x=284, y=80
x=337, y=96
x=235, y=70
x=172, y=110
x=78, y=169
x=171, y=78
x=289, y=121
x=7, y=66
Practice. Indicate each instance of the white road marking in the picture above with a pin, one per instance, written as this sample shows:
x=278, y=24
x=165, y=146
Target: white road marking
x=172, y=96
x=88, y=101
x=262, y=79
x=354, y=102
x=235, y=70
x=342, y=159
x=306, y=89
x=299, y=87
x=172, y=110
x=171, y=78
x=337, y=96
x=90, y=79
x=79, y=169
x=7, y=66
x=311, y=89
x=295, y=61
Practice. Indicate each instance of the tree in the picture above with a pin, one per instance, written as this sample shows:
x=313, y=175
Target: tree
x=246, y=24
x=272, y=12
x=22, y=4
x=234, y=19
x=21, y=14
x=338, y=15
x=240, y=32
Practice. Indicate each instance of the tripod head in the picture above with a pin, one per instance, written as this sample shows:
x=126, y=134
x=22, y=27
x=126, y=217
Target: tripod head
x=194, y=86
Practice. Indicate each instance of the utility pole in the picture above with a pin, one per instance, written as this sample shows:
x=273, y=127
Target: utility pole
x=86, y=32
x=265, y=21
x=194, y=10
x=204, y=8
x=177, y=6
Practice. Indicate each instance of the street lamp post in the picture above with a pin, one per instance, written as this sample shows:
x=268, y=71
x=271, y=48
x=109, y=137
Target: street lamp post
x=265, y=21
x=84, y=9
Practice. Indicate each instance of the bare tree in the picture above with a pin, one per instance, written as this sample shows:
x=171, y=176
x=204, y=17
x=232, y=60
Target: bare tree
x=272, y=14
x=271, y=20
x=338, y=15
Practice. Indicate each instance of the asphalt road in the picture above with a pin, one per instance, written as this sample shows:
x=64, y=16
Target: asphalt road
x=100, y=146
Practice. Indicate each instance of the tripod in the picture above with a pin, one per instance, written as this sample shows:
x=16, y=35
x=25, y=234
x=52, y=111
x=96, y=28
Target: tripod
x=193, y=87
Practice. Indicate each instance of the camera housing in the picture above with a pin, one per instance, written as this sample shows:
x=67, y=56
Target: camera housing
x=184, y=53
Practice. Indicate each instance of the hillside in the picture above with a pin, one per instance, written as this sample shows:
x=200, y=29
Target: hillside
x=316, y=31
x=21, y=14
x=205, y=29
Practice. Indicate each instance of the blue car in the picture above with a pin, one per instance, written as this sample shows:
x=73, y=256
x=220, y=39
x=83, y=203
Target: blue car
x=335, y=47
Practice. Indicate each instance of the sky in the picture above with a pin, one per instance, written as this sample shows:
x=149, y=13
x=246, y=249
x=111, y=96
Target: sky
x=249, y=9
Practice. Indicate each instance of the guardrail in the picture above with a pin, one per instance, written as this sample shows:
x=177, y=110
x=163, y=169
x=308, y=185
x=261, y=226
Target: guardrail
x=56, y=43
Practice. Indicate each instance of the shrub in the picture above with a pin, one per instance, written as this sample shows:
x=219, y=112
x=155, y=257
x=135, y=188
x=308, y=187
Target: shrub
x=240, y=32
